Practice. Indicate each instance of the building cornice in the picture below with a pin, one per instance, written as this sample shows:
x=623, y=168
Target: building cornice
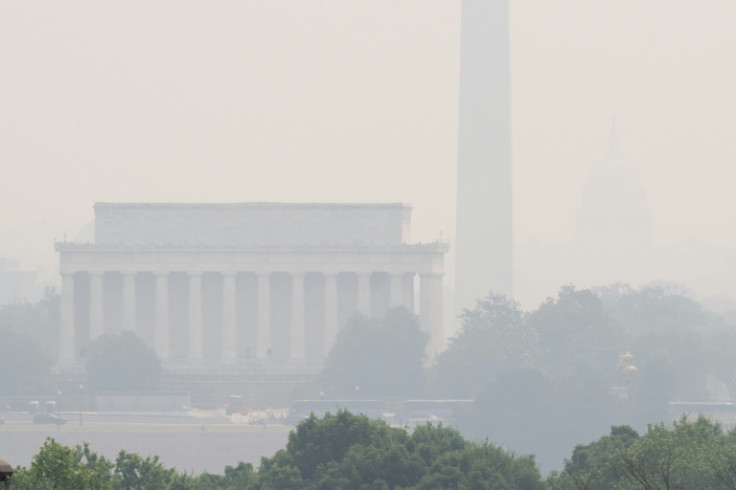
x=434, y=247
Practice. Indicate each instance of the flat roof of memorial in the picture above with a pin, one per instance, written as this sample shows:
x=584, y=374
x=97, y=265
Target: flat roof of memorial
x=264, y=204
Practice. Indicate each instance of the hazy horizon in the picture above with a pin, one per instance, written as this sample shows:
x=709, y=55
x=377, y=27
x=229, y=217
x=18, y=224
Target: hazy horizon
x=357, y=102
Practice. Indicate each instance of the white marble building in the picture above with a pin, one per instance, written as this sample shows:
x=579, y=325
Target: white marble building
x=243, y=287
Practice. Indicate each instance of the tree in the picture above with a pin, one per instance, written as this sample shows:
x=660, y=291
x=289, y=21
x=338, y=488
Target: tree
x=690, y=454
x=677, y=457
x=579, y=339
x=132, y=472
x=482, y=466
x=29, y=333
x=341, y=451
x=58, y=467
x=122, y=363
x=493, y=338
x=380, y=358
x=658, y=308
x=667, y=328
x=240, y=476
x=521, y=410
x=354, y=452
x=25, y=369
x=38, y=322
x=596, y=465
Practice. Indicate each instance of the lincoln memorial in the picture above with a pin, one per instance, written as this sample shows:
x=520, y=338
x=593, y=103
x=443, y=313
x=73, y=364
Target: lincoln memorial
x=244, y=287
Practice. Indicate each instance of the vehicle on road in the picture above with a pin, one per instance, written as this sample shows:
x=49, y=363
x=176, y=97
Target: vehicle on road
x=48, y=418
x=414, y=413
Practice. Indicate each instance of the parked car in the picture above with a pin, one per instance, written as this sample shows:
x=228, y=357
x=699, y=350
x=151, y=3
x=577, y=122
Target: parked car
x=48, y=418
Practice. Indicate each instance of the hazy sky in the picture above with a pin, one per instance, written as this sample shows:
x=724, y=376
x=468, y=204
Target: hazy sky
x=350, y=100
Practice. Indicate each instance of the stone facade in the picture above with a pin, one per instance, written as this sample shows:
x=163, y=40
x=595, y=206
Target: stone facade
x=484, y=234
x=246, y=287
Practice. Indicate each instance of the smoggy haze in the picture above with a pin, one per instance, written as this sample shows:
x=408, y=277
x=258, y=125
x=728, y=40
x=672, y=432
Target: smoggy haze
x=357, y=101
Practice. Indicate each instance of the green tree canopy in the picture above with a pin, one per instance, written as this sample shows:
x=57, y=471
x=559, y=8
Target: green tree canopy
x=57, y=467
x=677, y=343
x=122, y=363
x=579, y=339
x=25, y=369
x=29, y=333
x=380, y=358
x=337, y=452
x=346, y=451
x=559, y=364
x=38, y=322
x=493, y=337
x=689, y=454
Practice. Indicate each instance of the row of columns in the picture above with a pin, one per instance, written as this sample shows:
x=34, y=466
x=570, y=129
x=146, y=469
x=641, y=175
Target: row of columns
x=399, y=294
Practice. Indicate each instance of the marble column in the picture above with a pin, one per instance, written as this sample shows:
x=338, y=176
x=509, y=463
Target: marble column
x=263, y=320
x=96, y=294
x=195, y=315
x=298, y=349
x=431, y=314
x=229, y=317
x=66, y=339
x=409, y=291
x=129, y=301
x=331, y=312
x=364, y=293
x=396, y=289
x=161, y=325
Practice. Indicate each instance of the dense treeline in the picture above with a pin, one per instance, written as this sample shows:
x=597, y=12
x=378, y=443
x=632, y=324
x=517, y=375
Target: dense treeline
x=348, y=452
x=545, y=380
x=341, y=451
x=30, y=339
x=689, y=455
x=542, y=380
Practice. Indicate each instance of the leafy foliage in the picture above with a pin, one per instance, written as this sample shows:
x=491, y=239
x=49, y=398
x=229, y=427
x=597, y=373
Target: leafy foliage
x=381, y=358
x=492, y=338
x=29, y=333
x=547, y=379
x=690, y=454
x=57, y=467
x=122, y=363
x=346, y=451
x=132, y=472
x=578, y=338
x=341, y=451
x=25, y=369
x=38, y=322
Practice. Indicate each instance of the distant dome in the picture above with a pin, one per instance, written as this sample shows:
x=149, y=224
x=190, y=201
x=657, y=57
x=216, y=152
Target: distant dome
x=613, y=207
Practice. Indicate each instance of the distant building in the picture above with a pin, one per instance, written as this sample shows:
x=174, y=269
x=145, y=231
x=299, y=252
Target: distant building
x=612, y=237
x=614, y=222
x=243, y=287
x=16, y=284
x=483, y=247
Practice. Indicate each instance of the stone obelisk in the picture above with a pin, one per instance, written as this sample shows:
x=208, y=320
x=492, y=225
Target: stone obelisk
x=484, y=225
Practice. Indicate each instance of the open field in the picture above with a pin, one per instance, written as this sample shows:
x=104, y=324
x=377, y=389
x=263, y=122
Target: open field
x=192, y=445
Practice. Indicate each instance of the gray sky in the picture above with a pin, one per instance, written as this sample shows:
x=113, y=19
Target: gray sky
x=357, y=101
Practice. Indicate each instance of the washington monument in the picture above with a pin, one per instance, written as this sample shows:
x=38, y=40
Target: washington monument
x=484, y=224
